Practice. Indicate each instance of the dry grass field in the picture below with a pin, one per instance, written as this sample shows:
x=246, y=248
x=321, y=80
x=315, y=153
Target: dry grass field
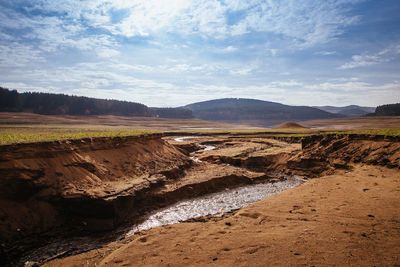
x=29, y=127
x=388, y=122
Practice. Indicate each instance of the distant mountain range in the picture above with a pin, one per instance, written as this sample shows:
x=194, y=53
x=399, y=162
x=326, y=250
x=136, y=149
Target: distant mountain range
x=232, y=110
x=256, y=112
x=349, y=111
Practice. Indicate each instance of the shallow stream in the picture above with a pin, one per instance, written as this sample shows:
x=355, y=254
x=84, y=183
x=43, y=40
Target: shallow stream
x=214, y=204
x=203, y=147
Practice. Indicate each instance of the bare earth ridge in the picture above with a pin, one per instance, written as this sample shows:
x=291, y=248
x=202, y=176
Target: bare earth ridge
x=349, y=215
x=349, y=218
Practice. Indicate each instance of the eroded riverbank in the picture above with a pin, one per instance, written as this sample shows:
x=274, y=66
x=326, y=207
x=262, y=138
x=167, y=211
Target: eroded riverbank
x=216, y=204
x=152, y=173
x=345, y=219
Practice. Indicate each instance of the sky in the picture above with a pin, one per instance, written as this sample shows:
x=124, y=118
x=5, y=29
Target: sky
x=172, y=53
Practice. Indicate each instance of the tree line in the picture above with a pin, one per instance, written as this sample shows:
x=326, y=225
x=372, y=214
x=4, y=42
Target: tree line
x=60, y=104
x=388, y=110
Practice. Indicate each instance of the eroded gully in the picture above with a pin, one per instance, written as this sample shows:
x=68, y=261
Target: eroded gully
x=214, y=204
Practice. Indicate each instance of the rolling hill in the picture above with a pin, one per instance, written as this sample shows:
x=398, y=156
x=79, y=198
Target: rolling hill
x=255, y=112
x=349, y=111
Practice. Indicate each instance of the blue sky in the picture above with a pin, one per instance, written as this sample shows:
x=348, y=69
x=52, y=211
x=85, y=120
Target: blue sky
x=176, y=52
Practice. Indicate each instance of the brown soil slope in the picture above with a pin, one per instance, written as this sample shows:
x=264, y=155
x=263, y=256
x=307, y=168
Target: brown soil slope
x=97, y=184
x=346, y=219
x=80, y=186
x=340, y=150
x=347, y=216
x=318, y=155
x=44, y=185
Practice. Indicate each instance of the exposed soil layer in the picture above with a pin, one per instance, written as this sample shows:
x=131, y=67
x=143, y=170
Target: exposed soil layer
x=318, y=154
x=340, y=150
x=347, y=216
x=350, y=218
x=81, y=186
x=44, y=185
x=97, y=184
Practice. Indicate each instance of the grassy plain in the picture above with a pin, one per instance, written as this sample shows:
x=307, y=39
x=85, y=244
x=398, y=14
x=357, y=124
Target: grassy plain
x=28, y=127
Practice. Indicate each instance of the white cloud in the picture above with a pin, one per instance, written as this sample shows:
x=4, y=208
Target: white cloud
x=243, y=71
x=49, y=34
x=18, y=55
x=107, y=52
x=382, y=56
x=229, y=49
x=306, y=22
x=185, y=50
x=290, y=83
x=326, y=53
x=363, y=61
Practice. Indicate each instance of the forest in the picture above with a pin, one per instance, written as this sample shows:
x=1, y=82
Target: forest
x=60, y=104
x=388, y=110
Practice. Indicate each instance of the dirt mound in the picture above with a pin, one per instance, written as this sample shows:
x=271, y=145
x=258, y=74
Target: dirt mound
x=53, y=184
x=290, y=124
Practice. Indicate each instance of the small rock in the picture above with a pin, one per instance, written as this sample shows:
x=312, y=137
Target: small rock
x=31, y=264
x=228, y=223
x=214, y=259
x=365, y=189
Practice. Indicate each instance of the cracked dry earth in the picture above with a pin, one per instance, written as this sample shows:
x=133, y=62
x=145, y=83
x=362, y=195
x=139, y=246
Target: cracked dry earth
x=347, y=215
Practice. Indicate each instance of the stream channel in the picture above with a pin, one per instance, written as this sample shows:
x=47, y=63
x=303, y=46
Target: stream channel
x=216, y=204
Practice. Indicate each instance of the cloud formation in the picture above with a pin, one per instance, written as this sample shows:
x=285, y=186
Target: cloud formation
x=187, y=50
x=385, y=55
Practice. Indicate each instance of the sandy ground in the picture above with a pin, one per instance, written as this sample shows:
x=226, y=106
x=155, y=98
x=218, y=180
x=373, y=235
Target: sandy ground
x=30, y=122
x=349, y=218
x=392, y=122
x=19, y=122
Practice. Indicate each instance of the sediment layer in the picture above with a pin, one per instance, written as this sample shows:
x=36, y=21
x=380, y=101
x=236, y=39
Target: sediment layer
x=98, y=184
x=76, y=182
